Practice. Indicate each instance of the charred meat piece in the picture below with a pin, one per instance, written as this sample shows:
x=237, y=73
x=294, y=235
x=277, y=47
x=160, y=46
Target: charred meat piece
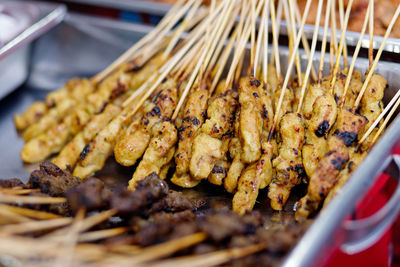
x=92, y=194
x=52, y=180
x=325, y=175
x=13, y=182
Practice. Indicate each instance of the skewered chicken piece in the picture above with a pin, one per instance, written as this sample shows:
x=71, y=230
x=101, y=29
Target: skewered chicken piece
x=322, y=119
x=372, y=105
x=135, y=141
x=208, y=146
x=30, y=116
x=96, y=152
x=194, y=115
x=289, y=164
x=39, y=109
x=69, y=155
x=259, y=174
x=237, y=166
x=355, y=160
x=220, y=170
x=159, y=152
x=250, y=126
x=348, y=125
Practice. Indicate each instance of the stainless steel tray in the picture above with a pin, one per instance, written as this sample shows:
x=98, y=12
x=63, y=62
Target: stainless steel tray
x=316, y=244
x=156, y=8
x=27, y=22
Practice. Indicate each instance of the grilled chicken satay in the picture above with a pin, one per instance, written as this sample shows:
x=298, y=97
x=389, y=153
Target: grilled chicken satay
x=132, y=146
x=39, y=109
x=30, y=116
x=288, y=165
x=69, y=155
x=250, y=126
x=323, y=117
x=96, y=152
x=194, y=115
x=356, y=158
x=54, y=139
x=235, y=151
x=208, y=146
x=259, y=174
x=372, y=105
x=159, y=152
x=348, y=126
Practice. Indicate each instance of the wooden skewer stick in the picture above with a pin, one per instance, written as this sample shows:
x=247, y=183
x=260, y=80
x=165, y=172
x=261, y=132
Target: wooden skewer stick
x=310, y=60
x=259, y=40
x=386, y=121
x=304, y=40
x=30, y=199
x=376, y=60
x=355, y=55
x=11, y=217
x=341, y=15
x=34, y=226
x=371, y=34
x=101, y=234
x=35, y=214
x=265, y=34
x=164, y=249
x=380, y=117
x=289, y=69
x=10, y=191
x=324, y=41
x=334, y=27
x=275, y=40
x=293, y=27
x=341, y=45
x=223, y=60
x=151, y=49
x=86, y=224
x=211, y=259
x=182, y=27
x=169, y=65
x=253, y=34
x=210, y=46
x=129, y=53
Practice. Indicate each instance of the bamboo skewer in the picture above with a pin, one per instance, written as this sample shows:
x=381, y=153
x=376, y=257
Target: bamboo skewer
x=212, y=258
x=265, y=34
x=342, y=23
x=355, y=55
x=380, y=117
x=275, y=40
x=386, y=121
x=31, y=199
x=310, y=60
x=290, y=65
x=371, y=33
x=34, y=226
x=131, y=51
x=324, y=41
x=304, y=40
x=296, y=54
x=35, y=214
x=376, y=60
x=101, y=234
x=341, y=45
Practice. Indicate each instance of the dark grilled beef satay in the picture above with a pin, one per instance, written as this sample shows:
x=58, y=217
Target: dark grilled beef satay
x=348, y=125
x=288, y=165
x=208, y=145
x=194, y=114
x=135, y=141
x=259, y=174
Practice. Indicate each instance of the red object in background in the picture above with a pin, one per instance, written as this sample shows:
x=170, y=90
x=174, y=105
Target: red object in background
x=386, y=252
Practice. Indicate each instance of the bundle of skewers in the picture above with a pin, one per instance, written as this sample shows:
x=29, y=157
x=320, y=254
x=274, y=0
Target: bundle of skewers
x=188, y=104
